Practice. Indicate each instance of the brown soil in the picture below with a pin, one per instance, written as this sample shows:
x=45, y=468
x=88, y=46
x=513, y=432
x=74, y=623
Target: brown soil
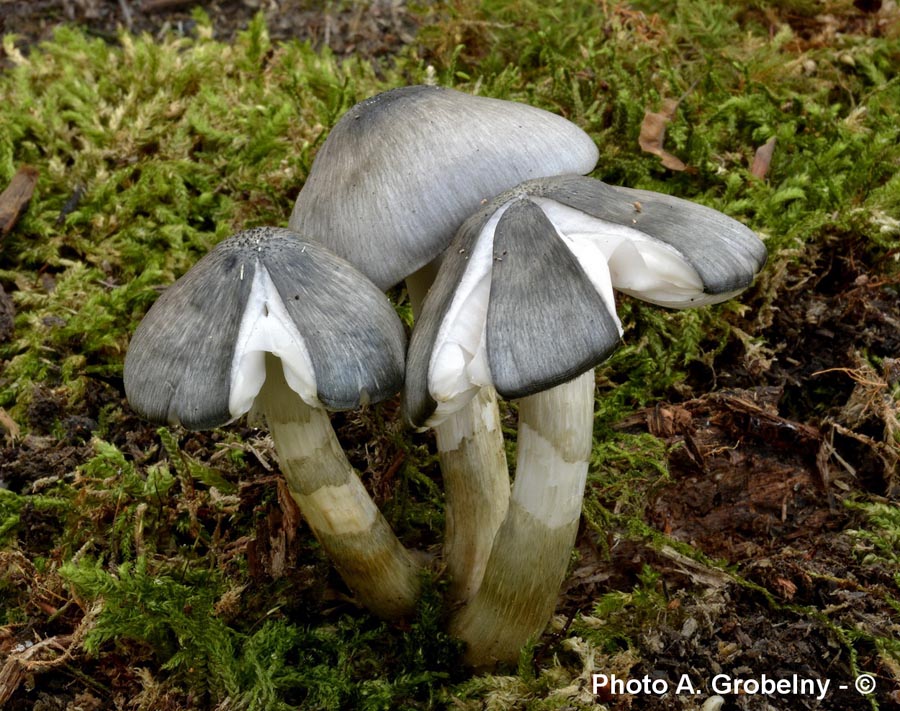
x=366, y=29
x=756, y=481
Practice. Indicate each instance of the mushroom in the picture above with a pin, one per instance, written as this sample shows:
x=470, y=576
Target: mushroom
x=270, y=321
x=524, y=302
x=402, y=170
x=389, y=188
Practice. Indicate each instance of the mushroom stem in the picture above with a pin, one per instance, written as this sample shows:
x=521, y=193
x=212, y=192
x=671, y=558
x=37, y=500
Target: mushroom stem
x=473, y=464
x=531, y=550
x=341, y=514
x=476, y=488
x=419, y=282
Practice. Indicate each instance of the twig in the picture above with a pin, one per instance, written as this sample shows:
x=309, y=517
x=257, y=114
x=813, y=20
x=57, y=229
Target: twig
x=43, y=655
x=126, y=14
x=160, y=5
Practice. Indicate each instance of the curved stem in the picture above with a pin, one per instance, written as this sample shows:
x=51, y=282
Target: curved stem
x=337, y=507
x=473, y=466
x=532, y=548
x=476, y=487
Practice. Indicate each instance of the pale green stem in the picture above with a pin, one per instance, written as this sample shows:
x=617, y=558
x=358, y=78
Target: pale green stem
x=476, y=478
x=476, y=489
x=352, y=531
x=531, y=550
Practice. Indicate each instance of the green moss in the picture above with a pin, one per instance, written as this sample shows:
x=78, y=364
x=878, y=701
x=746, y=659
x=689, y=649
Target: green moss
x=624, y=614
x=624, y=471
x=174, y=144
x=178, y=614
x=171, y=146
x=879, y=541
x=10, y=507
x=188, y=467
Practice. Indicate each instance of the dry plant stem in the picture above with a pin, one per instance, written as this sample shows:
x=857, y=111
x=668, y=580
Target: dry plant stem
x=531, y=550
x=337, y=507
x=476, y=478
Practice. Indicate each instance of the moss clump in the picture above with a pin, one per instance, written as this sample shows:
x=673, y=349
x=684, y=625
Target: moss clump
x=879, y=541
x=169, y=147
x=170, y=550
x=184, y=618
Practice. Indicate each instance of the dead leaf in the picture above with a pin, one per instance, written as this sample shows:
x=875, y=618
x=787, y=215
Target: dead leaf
x=653, y=134
x=699, y=573
x=763, y=159
x=10, y=425
x=14, y=199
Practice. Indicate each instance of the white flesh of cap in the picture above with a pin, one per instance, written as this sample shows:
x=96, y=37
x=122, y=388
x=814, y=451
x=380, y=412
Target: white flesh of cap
x=612, y=256
x=266, y=327
x=459, y=364
x=639, y=265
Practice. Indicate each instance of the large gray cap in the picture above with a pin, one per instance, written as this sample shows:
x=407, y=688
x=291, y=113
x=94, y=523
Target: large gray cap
x=534, y=272
x=401, y=171
x=183, y=361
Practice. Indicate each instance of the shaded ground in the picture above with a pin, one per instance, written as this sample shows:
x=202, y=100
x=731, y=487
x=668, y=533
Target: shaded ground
x=764, y=493
x=758, y=471
x=369, y=29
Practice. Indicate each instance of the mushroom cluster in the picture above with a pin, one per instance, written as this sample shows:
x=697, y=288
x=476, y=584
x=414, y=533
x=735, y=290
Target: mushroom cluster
x=273, y=322
x=511, y=258
x=524, y=303
x=396, y=177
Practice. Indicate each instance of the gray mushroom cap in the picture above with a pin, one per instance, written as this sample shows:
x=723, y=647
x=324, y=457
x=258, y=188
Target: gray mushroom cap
x=401, y=171
x=197, y=357
x=524, y=301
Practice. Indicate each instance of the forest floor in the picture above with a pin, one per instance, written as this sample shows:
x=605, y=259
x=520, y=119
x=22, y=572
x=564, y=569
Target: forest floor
x=743, y=513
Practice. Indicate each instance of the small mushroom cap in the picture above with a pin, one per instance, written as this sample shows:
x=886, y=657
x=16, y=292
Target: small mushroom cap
x=401, y=171
x=524, y=301
x=197, y=358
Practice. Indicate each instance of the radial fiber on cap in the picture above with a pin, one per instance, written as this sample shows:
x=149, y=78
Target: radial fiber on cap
x=179, y=362
x=400, y=172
